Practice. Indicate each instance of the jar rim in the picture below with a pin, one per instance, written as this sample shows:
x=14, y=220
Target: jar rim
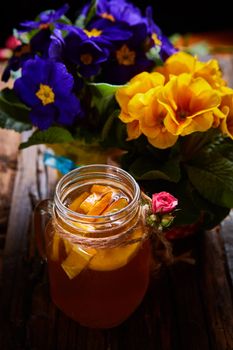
x=99, y=167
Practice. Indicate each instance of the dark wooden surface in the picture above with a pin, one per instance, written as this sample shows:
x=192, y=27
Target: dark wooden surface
x=187, y=307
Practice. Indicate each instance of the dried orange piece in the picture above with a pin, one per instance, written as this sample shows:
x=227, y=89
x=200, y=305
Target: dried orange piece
x=100, y=189
x=101, y=205
x=55, y=247
x=75, y=205
x=113, y=258
x=116, y=206
x=77, y=260
x=89, y=202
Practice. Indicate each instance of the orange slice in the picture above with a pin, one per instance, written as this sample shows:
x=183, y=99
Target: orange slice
x=113, y=258
x=100, y=189
x=75, y=205
x=77, y=260
x=89, y=202
x=116, y=206
x=101, y=205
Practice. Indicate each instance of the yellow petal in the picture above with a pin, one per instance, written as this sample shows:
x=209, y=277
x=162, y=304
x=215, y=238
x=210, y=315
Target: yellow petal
x=133, y=130
x=163, y=140
x=201, y=122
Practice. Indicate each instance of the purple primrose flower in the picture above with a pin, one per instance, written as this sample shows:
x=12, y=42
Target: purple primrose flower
x=129, y=58
x=46, y=19
x=77, y=49
x=46, y=87
x=120, y=10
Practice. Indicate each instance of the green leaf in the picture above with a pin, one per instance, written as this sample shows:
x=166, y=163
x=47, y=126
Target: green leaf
x=144, y=168
x=13, y=107
x=52, y=135
x=226, y=149
x=7, y=122
x=109, y=124
x=212, y=214
x=103, y=95
x=13, y=114
x=211, y=175
x=91, y=12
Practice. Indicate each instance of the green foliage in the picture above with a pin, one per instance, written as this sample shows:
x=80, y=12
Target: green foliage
x=103, y=96
x=51, y=135
x=11, y=108
x=143, y=168
x=91, y=12
x=211, y=174
x=197, y=170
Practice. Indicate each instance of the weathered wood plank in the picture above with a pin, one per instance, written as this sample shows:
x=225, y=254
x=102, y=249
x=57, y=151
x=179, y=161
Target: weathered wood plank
x=216, y=291
x=16, y=279
x=227, y=236
x=9, y=142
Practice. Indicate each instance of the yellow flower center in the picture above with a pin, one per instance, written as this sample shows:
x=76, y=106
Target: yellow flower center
x=86, y=58
x=44, y=25
x=93, y=33
x=45, y=94
x=125, y=56
x=156, y=39
x=107, y=16
x=181, y=115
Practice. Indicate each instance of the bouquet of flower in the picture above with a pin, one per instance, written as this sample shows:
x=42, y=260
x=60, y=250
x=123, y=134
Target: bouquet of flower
x=111, y=78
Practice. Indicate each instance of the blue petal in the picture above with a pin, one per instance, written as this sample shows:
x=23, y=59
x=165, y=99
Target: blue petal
x=69, y=109
x=43, y=116
x=59, y=78
x=36, y=71
x=26, y=92
x=30, y=24
x=60, y=12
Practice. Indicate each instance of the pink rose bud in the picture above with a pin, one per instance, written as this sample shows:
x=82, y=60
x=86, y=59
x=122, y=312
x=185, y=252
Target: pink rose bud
x=12, y=42
x=163, y=202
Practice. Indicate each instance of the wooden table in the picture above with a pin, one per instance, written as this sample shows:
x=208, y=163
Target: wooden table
x=187, y=307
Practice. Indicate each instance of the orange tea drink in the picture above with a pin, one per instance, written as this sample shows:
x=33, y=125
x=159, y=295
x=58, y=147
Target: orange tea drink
x=97, y=248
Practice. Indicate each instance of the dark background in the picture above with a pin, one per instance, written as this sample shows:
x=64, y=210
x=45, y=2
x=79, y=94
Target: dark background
x=173, y=17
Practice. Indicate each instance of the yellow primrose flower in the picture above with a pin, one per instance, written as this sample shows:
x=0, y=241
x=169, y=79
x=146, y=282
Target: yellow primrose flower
x=226, y=108
x=190, y=104
x=150, y=116
x=221, y=112
x=211, y=72
x=139, y=84
x=182, y=62
x=176, y=64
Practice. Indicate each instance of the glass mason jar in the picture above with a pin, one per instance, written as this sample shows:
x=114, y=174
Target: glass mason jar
x=99, y=265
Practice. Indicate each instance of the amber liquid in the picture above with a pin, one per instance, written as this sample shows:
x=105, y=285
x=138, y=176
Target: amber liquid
x=102, y=299
x=107, y=291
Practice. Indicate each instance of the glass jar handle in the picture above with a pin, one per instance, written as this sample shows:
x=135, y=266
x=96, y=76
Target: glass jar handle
x=42, y=215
